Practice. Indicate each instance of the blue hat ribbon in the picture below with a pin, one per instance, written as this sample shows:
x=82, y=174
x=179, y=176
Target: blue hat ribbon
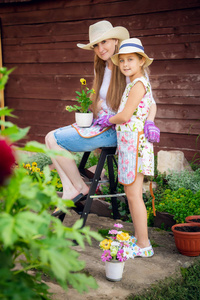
x=131, y=45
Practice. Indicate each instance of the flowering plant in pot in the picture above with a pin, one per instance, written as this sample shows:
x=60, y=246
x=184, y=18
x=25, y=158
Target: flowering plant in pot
x=117, y=248
x=82, y=110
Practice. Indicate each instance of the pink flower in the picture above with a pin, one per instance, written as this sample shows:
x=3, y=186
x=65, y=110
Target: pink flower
x=120, y=256
x=118, y=225
x=126, y=161
x=113, y=231
x=106, y=256
x=7, y=160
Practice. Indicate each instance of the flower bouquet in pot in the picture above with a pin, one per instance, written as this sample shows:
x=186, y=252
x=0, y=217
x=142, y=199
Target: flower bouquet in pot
x=117, y=248
x=83, y=115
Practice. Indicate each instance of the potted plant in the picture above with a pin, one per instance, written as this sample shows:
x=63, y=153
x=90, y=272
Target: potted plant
x=83, y=115
x=179, y=204
x=187, y=238
x=117, y=248
x=193, y=219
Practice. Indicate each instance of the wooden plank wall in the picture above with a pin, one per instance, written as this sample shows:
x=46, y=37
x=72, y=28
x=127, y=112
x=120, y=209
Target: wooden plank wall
x=40, y=38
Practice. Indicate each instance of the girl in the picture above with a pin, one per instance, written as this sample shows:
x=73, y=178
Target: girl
x=135, y=152
x=109, y=85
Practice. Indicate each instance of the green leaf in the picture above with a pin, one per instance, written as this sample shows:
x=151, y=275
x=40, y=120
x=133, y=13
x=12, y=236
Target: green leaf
x=8, y=235
x=47, y=174
x=78, y=224
x=6, y=123
x=38, y=147
x=81, y=282
x=29, y=225
x=15, y=133
x=5, y=111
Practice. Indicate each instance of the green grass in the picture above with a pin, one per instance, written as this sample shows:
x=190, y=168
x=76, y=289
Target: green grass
x=185, y=286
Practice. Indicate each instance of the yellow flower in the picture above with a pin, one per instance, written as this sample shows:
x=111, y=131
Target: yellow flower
x=59, y=185
x=34, y=164
x=123, y=236
x=83, y=81
x=27, y=166
x=105, y=244
x=93, y=91
x=37, y=169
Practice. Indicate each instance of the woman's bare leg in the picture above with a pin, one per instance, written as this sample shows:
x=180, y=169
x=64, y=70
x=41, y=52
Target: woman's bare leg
x=138, y=210
x=70, y=177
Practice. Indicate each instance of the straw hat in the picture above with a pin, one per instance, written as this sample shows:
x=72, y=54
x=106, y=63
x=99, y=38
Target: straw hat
x=103, y=30
x=132, y=45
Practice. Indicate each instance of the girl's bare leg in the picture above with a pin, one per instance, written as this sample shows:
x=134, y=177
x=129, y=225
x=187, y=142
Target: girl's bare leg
x=138, y=210
x=72, y=182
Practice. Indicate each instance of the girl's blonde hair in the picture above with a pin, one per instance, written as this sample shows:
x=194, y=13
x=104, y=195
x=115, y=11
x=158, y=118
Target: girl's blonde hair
x=116, y=87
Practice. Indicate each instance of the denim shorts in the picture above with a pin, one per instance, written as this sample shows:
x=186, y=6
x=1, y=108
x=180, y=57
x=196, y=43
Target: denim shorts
x=68, y=138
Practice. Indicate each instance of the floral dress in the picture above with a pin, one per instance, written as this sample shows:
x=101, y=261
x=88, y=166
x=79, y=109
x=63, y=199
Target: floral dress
x=135, y=153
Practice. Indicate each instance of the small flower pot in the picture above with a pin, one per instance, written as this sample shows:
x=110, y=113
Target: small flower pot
x=114, y=270
x=193, y=219
x=187, y=238
x=84, y=119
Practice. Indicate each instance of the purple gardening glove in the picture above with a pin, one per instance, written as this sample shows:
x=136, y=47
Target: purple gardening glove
x=151, y=132
x=104, y=122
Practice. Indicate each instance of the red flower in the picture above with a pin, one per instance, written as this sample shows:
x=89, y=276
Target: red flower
x=7, y=160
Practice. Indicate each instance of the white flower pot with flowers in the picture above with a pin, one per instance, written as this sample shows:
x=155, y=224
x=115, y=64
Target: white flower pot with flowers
x=117, y=248
x=83, y=115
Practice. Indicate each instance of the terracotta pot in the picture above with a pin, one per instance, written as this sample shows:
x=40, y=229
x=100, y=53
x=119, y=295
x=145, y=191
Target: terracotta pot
x=84, y=119
x=187, y=243
x=164, y=220
x=114, y=270
x=191, y=219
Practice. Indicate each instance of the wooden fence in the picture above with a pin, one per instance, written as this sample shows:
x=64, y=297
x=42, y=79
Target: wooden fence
x=40, y=37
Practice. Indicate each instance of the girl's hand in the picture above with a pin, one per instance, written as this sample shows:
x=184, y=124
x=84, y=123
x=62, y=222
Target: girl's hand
x=151, y=132
x=104, y=122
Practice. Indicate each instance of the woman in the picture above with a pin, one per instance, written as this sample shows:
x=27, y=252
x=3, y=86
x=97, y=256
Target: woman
x=109, y=85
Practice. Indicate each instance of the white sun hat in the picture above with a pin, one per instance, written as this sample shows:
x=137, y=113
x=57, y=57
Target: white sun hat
x=132, y=45
x=103, y=30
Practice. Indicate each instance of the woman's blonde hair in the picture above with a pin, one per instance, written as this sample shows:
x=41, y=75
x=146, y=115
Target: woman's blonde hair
x=116, y=87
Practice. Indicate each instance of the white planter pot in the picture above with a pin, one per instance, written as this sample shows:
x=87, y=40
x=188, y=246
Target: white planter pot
x=84, y=119
x=114, y=270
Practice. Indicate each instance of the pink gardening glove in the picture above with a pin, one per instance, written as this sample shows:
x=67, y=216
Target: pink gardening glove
x=151, y=132
x=104, y=122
